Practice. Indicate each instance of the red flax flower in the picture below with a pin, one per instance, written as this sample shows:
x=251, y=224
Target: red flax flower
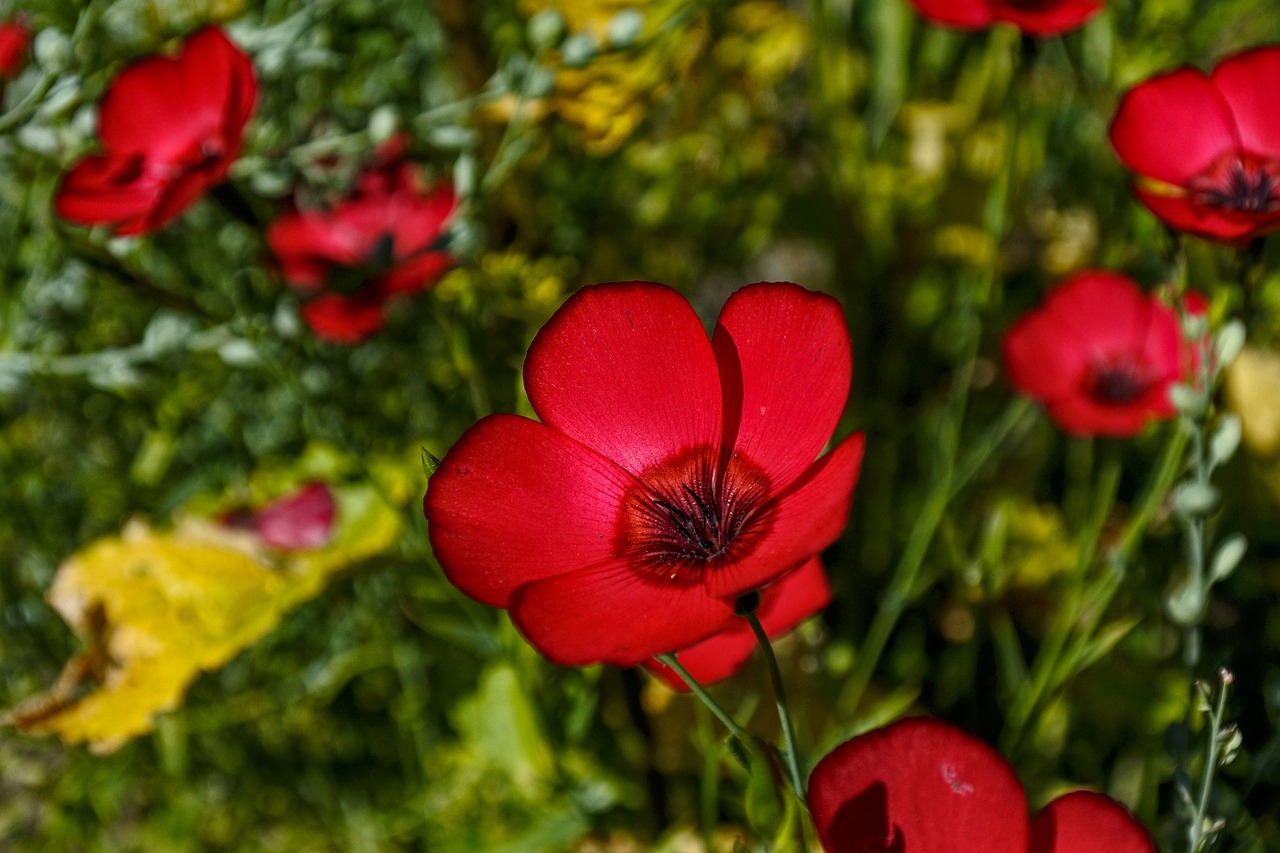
x=170, y=129
x=784, y=604
x=1099, y=354
x=669, y=475
x=1206, y=147
x=376, y=245
x=14, y=38
x=924, y=786
x=1034, y=17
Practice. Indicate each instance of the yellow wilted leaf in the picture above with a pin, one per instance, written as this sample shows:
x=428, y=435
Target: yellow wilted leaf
x=155, y=609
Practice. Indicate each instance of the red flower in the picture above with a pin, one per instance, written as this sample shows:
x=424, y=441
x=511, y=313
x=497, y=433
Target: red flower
x=170, y=129
x=14, y=39
x=1099, y=354
x=378, y=244
x=670, y=474
x=1035, y=17
x=784, y=604
x=301, y=521
x=925, y=785
x=1206, y=147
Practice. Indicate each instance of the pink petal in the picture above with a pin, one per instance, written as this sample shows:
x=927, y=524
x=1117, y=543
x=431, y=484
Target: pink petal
x=804, y=520
x=968, y=14
x=301, y=521
x=615, y=613
x=784, y=604
x=785, y=364
x=627, y=369
x=1052, y=19
x=417, y=273
x=514, y=502
x=1173, y=126
x=1248, y=82
x=343, y=319
x=1085, y=822
x=917, y=785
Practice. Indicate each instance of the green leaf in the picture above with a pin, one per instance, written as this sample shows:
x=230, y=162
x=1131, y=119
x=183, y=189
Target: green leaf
x=1193, y=500
x=1225, y=440
x=1186, y=604
x=1227, y=557
x=1227, y=344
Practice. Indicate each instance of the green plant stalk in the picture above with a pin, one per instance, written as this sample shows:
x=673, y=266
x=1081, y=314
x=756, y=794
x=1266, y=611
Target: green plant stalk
x=780, y=701
x=1046, y=674
x=712, y=705
x=1196, y=835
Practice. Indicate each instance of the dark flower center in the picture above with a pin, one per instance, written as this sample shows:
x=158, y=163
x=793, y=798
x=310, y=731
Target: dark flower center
x=1239, y=182
x=1119, y=381
x=1031, y=5
x=689, y=516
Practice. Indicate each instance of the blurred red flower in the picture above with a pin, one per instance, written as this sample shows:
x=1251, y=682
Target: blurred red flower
x=14, y=38
x=375, y=245
x=299, y=521
x=784, y=604
x=1034, y=17
x=1206, y=147
x=1099, y=354
x=925, y=785
x=669, y=475
x=170, y=129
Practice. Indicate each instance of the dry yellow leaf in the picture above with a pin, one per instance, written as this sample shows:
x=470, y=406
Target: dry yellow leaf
x=157, y=608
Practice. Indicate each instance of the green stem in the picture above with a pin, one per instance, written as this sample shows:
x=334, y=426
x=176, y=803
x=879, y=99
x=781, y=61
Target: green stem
x=712, y=705
x=780, y=701
x=1196, y=834
x=1046, y=675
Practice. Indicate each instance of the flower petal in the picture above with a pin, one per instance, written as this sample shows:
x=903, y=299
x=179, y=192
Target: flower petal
x=103, y=189
x=1085, y=822
x=343, y=319
x=627, y=369
x=918, y=784
x=969, y=14
x=1219, y=224
x=301, y=521
x=1248, y=82
x=784, y=604
x=1050, y=18
x=785, y=363
x=515, y=501
x=805, y=519
x=1173, y=126
x=615, y=613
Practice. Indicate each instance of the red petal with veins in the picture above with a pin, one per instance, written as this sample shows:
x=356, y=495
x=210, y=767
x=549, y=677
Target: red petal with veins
x=806, y=519
x=615, y=613
x=917, y=785
x=1173, y=126
x=1248, y=82
x=627, y=369
x=784, y=604
x=785, y=364
x=1085, y=822
x=515, y=502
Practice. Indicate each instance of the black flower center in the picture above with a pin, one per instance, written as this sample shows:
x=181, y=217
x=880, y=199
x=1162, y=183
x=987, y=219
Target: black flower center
x=1242, y=183
x=1031, y=5
x=689, y=515
x=1119, y=381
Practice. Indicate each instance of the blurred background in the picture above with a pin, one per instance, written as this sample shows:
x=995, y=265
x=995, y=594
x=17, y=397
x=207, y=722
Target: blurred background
x=936, y=182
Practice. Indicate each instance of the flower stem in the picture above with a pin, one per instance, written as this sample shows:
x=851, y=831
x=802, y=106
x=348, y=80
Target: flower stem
x=698, y=690
x=780, y=701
